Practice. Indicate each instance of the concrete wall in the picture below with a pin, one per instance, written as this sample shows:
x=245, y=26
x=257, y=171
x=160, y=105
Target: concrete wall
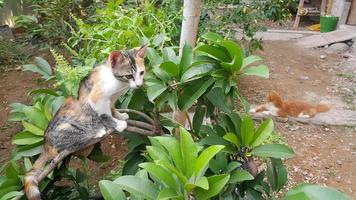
x=341, y=9
x=13, y=8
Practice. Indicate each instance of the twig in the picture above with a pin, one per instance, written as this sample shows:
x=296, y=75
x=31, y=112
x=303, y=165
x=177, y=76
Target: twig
x=189, y=120
x=140, y=131
x=140, y=124
x=148, y=118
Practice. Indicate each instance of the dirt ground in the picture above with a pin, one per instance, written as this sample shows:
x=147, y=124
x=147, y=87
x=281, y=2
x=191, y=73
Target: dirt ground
x=324, y=155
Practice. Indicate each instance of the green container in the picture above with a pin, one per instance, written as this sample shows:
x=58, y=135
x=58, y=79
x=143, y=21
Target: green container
x=328, y=23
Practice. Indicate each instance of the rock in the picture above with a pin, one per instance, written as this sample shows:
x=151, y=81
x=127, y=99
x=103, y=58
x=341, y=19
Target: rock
x=339, y=162
x=322, y=57
x=337, y=48
x=304, y=78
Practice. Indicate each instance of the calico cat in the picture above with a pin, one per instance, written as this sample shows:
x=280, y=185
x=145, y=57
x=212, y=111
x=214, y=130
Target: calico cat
x=77, y=122
x=278, y=107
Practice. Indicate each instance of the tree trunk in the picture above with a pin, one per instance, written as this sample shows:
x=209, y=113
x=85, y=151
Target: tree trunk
x=191, y=17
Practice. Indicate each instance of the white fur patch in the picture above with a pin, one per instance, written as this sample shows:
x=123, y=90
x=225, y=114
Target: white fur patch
x=302, y=115
x=272, y=109
x=252, y=110
x=33, y=191
x=100, y=133
x=120, y=125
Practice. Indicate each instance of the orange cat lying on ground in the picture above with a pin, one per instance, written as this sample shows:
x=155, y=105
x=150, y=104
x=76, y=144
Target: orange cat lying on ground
x=278, y=107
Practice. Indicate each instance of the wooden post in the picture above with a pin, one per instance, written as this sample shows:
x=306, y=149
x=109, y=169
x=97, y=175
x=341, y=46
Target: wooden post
x=297, y=17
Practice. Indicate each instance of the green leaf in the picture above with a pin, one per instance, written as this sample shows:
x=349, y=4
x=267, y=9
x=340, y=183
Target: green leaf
x=217, y=97
x=247, y=128
x=161, y=174
x=155, y=90
x=249, y=60
x=189, y=152
x=314, y=192
x=239, y=176
x=273, y=150
x=216, y=184
x=157, y=153
x=158, y=39
x=35, y=69
x=32, y=128
x=187, y=57
x=111, y=191
x=214, y=37
x=231, y=137
x=235, y=52
x=173, y=148
x=153, y=57
x=44, y=91
x=260, y=70
x=217, y=53
x=43, y=64
x=232, y=166
x=167, y=194
x=196, y=70
x=198, y=118
x=262, y=133
x=170, y=68
x=26, y=138
x=277, y=174
x=36, y=117
x=28, y=164
x=12, y=170
x=169, y=54
x=173, y=169
x=204, y=158
x=192, y=93
x=12, y=195
x=138, y=186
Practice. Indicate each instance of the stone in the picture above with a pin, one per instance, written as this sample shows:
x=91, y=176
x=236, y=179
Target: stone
x=304, y=78
x=339, y=162
x=337, y=48
x=322, y=57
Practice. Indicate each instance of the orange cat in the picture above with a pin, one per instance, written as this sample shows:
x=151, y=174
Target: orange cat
x=278, y=107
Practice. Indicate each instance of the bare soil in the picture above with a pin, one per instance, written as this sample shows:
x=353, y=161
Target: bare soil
x=324, y=155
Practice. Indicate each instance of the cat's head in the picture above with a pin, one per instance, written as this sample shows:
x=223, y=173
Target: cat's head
x=128, y=65
x=275, y=98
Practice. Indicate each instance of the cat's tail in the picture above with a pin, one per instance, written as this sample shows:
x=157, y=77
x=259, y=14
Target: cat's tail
x=31, y=179
x=322, y=107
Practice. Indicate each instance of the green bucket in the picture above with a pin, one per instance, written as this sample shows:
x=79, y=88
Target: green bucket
x=328, y=23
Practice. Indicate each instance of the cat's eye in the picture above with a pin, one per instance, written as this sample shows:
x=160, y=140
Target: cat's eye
x=129, y=76
x=141, y=73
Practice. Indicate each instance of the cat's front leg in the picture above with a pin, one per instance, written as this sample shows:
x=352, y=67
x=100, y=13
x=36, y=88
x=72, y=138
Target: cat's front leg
x=111, y=122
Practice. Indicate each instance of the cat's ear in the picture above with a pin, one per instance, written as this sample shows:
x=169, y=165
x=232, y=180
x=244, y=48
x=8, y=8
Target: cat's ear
x=140, y=52
x=115, y=57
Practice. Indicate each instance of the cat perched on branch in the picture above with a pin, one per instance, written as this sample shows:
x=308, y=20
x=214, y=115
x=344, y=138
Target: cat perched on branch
x=82, y=122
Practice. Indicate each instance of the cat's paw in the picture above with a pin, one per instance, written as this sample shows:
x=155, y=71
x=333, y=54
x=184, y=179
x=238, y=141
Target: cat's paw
x=252, y=110
x=120, y=125
x=121, y=116
x=266, y=112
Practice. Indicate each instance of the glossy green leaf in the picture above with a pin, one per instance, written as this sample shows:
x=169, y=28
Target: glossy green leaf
x=198, y=118
x=263, y=132
x=239, y=176
x=44, y=91
x=204, y=159
x=189, y=151
x=170, y=68
x=196, y=70
x=217, y=97
x=192, y=93
x=231, y=137
x=155, y=90
x=158, y=39
x=12, y=195
x=249, y=60
x=138, y=186
x=161, y=174
x=216, y=184
x=235, y=52
x=111, y=191
x=314, y=192
x=218, y=53
x=43, y=64
x=247, y=130
x=273, y=150
x=169, y=54
x=214, y=37
x=157, y=153
x=187, y=57
x=173, y=169
x=168, y=194
x=260, y=70
x=32, y=128
x=277, y=174
x=173, y=148
x=26, y=138
x=36, y=117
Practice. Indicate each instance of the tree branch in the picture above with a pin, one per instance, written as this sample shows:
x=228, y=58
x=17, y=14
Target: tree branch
x=140, y=124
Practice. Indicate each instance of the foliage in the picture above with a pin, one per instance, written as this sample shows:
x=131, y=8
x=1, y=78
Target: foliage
x=121, y=26
x=10, y=54
x=50, y=19
x=247, y=15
